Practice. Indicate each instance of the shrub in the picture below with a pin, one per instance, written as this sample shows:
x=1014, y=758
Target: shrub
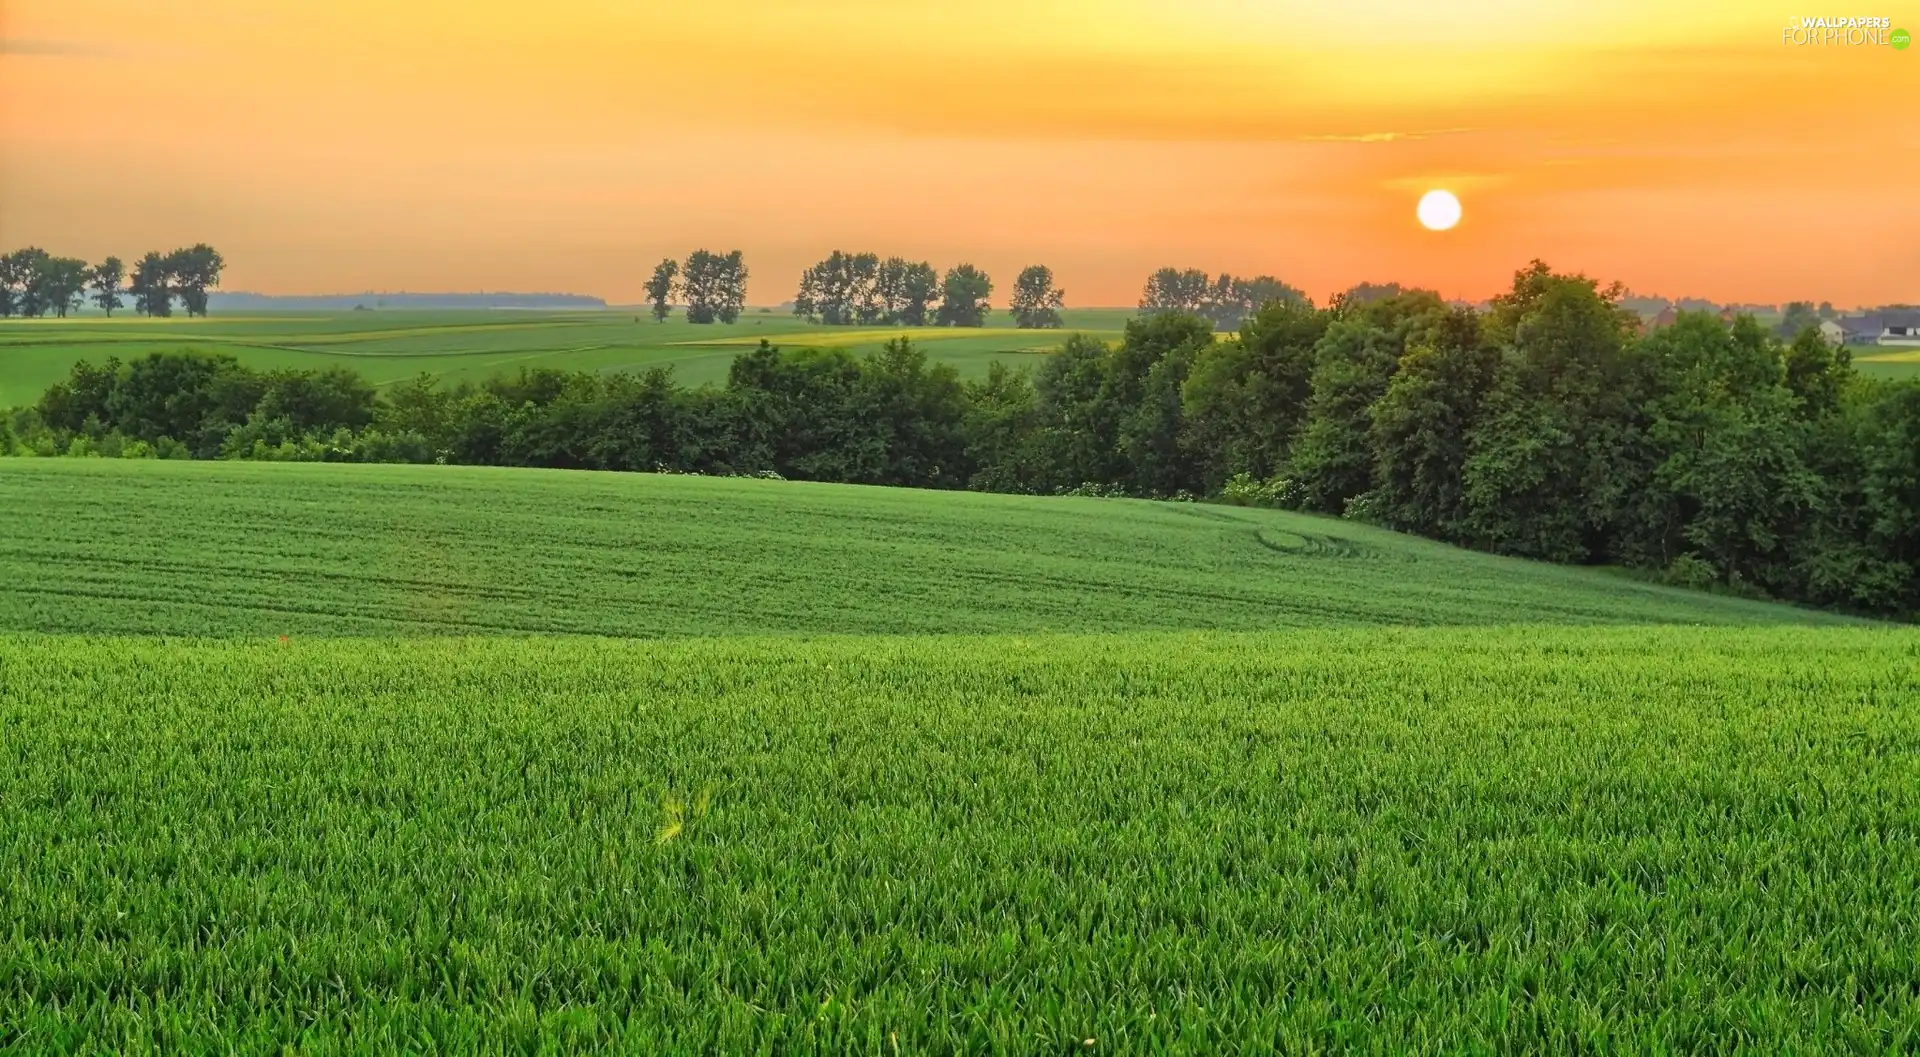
x=1691, y=570
x=403, y=446
x=1243, y=489
x=1094, y=490
x=1366, y=507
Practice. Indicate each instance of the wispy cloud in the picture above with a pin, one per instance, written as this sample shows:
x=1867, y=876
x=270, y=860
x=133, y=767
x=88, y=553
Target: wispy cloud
x=53, y=48
x=1452, y=181
x=1386, y=137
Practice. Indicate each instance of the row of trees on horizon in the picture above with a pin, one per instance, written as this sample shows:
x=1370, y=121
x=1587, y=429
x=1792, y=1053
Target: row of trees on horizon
x=849, y=289
x=35, y=283
x=844, y=289
x=1549, y=426
x=713, y=286
x=862, y=289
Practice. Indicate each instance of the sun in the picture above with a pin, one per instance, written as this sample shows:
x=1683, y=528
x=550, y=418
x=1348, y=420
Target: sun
x=1439, y=210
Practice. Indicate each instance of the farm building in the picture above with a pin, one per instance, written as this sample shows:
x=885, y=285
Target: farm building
x=1886, y=327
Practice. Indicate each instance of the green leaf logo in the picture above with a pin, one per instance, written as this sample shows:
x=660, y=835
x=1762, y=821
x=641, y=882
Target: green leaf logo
x=1900, y=39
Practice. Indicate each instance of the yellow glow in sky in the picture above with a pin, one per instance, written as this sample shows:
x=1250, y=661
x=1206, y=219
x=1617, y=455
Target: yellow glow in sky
x=481, y=144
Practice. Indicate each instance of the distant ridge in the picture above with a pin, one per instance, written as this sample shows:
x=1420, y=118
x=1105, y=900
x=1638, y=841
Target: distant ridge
x=242, y=301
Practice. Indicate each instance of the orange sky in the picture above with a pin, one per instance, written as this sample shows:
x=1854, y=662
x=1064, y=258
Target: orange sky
x=345, y=145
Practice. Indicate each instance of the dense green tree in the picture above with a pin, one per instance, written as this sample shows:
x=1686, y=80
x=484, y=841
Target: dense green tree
x=842, y=290
x=57, y=285
x=1331, y=459
x=914, y=416
x=715, y=286
x=643, y=422
x=1141, y=393
x=106, y=283
x=79, y=403
x=15, y=269
x=1799, y=316
x=1882, y=424
x=1540, y=476
x=733, y=289
x=1151, y=431
x=1217, y=404
x=1366, y=293
x=26, y=272
x=417, y=405
x=1036, y=302
x=922, y=292
x=909, y=291
x=1817, y=372
x=152, y=286
x=1230, y=300
x=1225, y=301
x=1419, y=428
x=869, y=307
x=819, y=414
x=313, y=401
x=798, y=411
x=1730, y=485
x=964, y=297
x=1244, y=400
x=1005, y=446
x=175, y=395
x=1176, y=290
x=575, y=421
x=1734, y=472
x=814, y=297
x=661, y=287
x=194, y=272
x=1079, y=426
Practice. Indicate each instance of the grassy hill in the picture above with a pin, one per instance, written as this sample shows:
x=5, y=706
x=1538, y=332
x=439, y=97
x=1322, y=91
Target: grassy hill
x=142, y=547
x=453, y=345
x=911, y=772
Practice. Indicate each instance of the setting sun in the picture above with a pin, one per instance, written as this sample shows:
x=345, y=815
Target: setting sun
x=1438, y=210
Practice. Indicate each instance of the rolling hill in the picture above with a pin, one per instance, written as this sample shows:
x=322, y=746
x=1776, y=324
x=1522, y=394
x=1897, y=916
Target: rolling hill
x=390, y=346
x=130, y=546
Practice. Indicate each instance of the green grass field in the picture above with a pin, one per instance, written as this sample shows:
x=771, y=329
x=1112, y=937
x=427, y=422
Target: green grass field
x=333, y=758
x=1887, y=363
x=1524, y=840
x=392, y=346
x=387, y=347
x=258, y=549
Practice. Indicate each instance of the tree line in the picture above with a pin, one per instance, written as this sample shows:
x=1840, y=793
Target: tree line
x=36, y=283
x=848, y=289
x=1548, y=426
x=713, y=285
x=1225, y=300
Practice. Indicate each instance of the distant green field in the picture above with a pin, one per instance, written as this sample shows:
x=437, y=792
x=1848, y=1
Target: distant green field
x=392, y=346
x=1519, y=840
x=252, y=549
x=1888, y=363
